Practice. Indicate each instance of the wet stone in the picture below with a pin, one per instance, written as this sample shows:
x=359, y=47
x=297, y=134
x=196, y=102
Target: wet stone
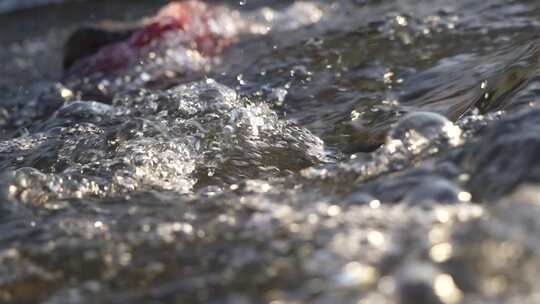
x=510, y=144
x=435, y=191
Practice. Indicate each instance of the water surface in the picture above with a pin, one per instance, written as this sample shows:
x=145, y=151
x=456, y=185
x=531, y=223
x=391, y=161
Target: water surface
x=336, y=152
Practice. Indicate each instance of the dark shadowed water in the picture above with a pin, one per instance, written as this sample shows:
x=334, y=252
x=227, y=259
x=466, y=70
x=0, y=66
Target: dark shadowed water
x=353, y=151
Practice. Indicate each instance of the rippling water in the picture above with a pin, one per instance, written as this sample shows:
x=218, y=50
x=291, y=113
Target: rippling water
x=308, y=152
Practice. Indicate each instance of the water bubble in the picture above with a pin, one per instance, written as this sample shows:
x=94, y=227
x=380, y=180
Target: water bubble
x=417, y=131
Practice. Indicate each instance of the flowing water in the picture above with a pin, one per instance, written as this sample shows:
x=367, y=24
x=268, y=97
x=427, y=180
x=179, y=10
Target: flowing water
x=352, y=151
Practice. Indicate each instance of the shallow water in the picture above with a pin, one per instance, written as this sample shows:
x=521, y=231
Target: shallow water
x=335, y=152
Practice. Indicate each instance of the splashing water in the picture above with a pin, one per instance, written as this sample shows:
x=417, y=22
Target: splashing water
x=305, y=152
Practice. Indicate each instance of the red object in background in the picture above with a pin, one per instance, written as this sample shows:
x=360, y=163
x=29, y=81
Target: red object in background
x=190, y=21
